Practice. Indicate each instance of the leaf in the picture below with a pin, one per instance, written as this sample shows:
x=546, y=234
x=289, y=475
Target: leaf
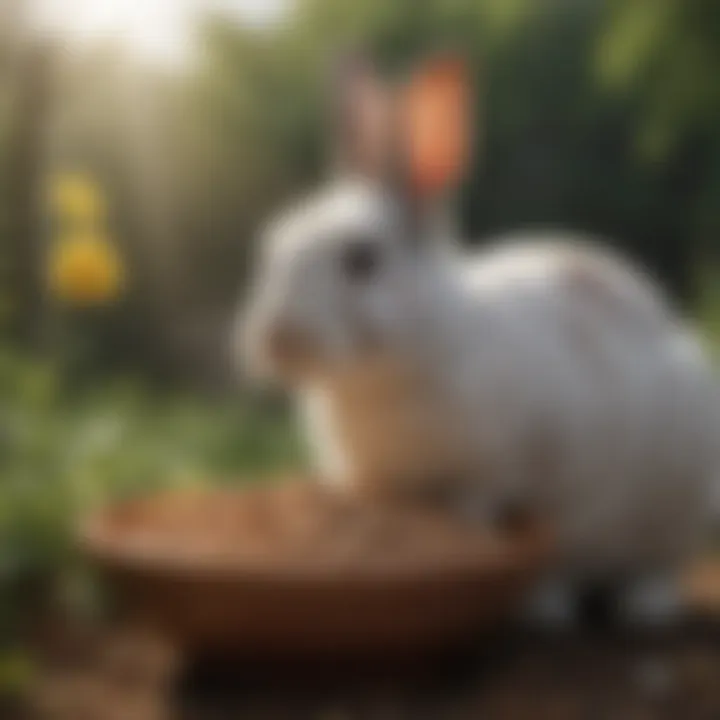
x=16, y=673
x=631, y=39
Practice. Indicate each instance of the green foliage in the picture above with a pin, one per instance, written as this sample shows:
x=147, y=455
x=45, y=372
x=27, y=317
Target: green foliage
x=667, y=52
x=61, y=455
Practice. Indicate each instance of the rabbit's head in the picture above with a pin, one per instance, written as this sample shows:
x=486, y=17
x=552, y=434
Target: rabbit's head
x=340, y=276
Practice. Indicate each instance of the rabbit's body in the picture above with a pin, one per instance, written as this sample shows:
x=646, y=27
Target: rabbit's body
x=544, y=371
x=542, y=374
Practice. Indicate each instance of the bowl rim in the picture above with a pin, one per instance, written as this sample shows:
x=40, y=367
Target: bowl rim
x=526, y=551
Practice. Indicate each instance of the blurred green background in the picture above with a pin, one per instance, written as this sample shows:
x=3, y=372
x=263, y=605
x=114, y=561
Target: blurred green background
x=596, y=116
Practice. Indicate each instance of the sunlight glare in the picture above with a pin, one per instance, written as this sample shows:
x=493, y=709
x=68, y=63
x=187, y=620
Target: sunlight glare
x=158, y=29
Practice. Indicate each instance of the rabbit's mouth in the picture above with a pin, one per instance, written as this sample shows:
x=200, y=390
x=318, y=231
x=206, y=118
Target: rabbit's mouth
x=283, y=354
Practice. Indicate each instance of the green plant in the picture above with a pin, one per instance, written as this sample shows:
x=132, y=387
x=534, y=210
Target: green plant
x=62, y=454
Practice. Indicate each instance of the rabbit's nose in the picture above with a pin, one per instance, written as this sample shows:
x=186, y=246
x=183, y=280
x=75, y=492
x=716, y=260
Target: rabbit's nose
x=272, y=346
x=285, y=342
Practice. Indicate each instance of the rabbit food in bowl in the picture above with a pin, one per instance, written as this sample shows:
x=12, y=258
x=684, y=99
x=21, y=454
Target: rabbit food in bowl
x=294, y=568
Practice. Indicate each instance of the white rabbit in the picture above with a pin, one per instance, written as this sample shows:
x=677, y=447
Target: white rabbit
x=544, y=371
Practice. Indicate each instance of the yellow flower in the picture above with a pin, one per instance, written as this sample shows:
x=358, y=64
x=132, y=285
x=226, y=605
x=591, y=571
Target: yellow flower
x=85, y=270
x=76, y=197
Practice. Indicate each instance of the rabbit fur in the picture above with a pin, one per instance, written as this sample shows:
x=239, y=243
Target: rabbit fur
x=543, y=369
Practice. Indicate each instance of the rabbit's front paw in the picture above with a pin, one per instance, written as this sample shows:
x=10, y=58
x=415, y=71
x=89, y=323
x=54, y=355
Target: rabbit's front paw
x=654, y=600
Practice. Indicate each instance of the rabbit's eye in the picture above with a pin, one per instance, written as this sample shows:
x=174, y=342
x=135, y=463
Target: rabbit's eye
x=360, y=260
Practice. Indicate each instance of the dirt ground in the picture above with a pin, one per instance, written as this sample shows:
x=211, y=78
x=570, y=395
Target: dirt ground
x=605, y=675
x=110, y=673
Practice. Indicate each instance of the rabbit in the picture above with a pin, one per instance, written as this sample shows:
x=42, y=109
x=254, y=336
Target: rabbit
x=543, y=371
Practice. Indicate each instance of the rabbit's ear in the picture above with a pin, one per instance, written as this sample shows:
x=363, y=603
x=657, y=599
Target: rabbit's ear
x=436, y=127
x=362, y=108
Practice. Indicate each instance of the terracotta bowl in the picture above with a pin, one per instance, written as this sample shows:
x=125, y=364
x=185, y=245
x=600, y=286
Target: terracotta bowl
x=287, y=570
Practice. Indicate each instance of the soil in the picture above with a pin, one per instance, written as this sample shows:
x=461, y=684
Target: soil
x=610, y=675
